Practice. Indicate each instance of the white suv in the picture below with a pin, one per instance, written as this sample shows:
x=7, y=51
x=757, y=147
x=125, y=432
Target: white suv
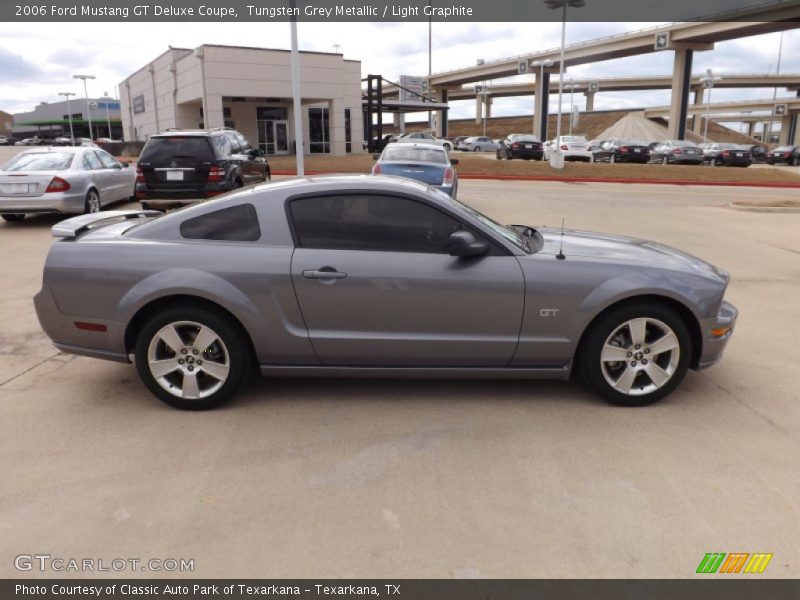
x=573, y=147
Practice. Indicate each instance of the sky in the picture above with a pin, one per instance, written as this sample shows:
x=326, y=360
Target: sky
x=37, y=62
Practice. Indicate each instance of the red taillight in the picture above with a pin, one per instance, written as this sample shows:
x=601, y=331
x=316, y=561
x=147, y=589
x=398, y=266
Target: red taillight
x=726, y=153
x=678, y=151
x=787, y=154
x=564, y=147
x=624, y=149
x=57, y=185
x=515, y=145
x=449, y=177
x=139, y=175
x=215, y=174
x=376, y=170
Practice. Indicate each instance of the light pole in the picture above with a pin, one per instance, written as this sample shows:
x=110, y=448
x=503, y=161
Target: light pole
x=86, y=93
x=69, y=114
x=571, y=87
x=556, y=158
x=708, y=81
x=541, y=64
x=296, y=101
x=108, y=115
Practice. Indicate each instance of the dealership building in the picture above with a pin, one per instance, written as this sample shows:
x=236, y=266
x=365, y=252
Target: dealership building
x=250, y=90
x=51, y=119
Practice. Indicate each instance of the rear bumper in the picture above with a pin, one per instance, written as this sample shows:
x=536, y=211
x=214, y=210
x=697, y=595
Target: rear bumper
x=714, y=346
x=687, y=160
x=47, y=203
x=535, y=154
x=577, y=155
x=148, y=191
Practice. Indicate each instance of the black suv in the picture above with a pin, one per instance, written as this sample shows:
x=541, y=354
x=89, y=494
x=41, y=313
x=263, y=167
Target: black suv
x=178, y=167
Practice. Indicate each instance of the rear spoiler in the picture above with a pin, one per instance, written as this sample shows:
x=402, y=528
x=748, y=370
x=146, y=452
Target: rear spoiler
x=76, y=225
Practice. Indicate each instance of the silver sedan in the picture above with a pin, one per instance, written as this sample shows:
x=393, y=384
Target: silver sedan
x=479, y=144
x=62, y=180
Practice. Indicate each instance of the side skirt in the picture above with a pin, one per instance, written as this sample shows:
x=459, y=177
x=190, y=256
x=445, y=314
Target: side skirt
x=562, y=373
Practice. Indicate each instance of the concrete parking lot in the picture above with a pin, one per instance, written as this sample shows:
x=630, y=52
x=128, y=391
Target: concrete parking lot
x=337, y=478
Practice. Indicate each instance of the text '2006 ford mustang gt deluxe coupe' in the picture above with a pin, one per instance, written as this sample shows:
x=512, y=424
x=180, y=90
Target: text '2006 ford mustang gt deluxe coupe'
x=374, y=277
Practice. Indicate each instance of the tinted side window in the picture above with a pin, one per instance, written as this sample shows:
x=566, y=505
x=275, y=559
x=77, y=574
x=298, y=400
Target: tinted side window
x=243, y=143
x=109, y=162
x=371, y=222
x=234, y=142
x=91, y=162
x=234, y=224
x=222, y=145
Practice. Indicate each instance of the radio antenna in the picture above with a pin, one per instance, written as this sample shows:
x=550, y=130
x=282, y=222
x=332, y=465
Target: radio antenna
x=560, y=255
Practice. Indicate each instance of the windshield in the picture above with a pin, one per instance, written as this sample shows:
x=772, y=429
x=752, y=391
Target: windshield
x=523, y=138
x=40, y=161
x=400, y=154
x=164, y=149
x=783, y=149
x=683, y=144
x=509, y=234
x=631, y=143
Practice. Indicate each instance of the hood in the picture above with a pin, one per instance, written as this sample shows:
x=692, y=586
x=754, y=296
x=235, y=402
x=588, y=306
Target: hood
x=625, y=250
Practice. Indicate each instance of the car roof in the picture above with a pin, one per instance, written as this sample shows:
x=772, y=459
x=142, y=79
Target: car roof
x=189, y=133
x=58, y=149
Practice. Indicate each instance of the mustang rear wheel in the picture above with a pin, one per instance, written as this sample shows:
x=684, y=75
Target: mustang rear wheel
x=192, y=359
x=636, y=355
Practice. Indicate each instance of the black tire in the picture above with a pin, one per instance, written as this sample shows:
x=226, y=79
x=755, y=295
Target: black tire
x=476, y=149
x=795, y=161
x=497, y=155
x=12, y=217
x=592, y=370
x=92, y=202
x=233, y=340
x=447, y=147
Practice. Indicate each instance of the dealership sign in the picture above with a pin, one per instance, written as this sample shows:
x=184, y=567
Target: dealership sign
x=138, y=104
x=412, y=88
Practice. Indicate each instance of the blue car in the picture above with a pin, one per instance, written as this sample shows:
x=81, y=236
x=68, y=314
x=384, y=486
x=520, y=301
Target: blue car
x=425, y=163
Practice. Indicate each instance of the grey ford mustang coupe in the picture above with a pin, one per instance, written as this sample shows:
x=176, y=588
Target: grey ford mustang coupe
x=374, y=277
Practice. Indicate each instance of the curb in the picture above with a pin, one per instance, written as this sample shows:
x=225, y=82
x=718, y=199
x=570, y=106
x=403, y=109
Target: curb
x=683, y=182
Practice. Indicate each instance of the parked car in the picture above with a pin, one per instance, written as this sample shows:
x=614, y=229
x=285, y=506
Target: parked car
x=62, y=141
x=677, y=151
x=457, y=141
x=178, y=167
x=520, y=145
x=424, y=138
x=622, y=150
x=572, y=147
x=479, y=143
x=4, y=141
x=421, y=162
x=62, y=180
x=105, y=140
x=594, y=145
x=374, y=276
x=729, y=155
x=759, y=153
x=789, y=155
x=31, y=141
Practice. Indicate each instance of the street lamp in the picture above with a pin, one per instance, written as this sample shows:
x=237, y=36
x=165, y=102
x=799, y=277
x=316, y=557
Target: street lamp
x=541, y=64
x=69, y=114
x=571, y=87
x=556, y=158
x=708, y=81
x=86, y=93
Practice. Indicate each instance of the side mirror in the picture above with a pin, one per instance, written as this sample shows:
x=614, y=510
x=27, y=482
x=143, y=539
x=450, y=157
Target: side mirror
x=376, y=156
x=453, y=161
x=464, y=243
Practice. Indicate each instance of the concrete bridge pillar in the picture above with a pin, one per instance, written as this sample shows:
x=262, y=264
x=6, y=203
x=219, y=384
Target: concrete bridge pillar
x=750, y=128
x=697, y=118
x=441, y=116
x=488, y=106
x=479, y=109
x=681, y=78
x=399, y=122
x=590, y=101
x=541, y=101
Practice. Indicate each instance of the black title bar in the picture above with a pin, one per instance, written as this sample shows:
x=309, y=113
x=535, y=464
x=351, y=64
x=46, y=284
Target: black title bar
x=396, y=11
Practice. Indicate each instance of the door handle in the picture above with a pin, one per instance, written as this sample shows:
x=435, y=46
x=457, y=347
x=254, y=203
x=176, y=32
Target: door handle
x=324, y=273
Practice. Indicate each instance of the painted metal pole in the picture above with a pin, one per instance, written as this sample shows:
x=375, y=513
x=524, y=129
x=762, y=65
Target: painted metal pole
x=69, y=115
x=297, y=105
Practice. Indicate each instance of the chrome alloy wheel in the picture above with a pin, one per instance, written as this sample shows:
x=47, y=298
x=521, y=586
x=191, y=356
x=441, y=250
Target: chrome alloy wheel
x=92, y=202
x=189, y=360
x=640, y=356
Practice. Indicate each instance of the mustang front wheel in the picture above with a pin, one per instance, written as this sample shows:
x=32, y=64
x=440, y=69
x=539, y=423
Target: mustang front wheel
x=191, y=358
x=636, y=355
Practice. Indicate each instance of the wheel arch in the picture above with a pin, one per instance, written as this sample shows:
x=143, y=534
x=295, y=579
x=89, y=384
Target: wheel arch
x=683, y=311
x=153, y=307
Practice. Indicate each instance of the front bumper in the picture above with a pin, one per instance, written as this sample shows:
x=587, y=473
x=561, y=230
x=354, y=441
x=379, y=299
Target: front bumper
x=714, y=345
x=56, y=202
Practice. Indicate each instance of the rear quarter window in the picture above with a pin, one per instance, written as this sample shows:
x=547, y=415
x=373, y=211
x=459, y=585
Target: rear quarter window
x=234, y=224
